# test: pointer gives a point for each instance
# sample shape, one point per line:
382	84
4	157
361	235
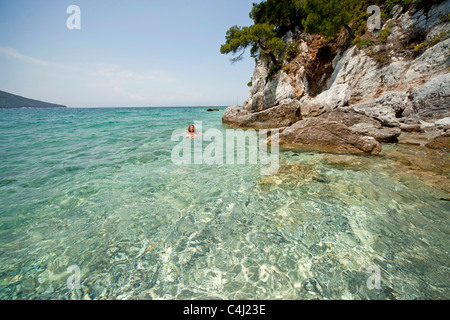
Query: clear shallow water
97	188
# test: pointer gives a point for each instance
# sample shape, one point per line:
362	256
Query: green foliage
328	17
272	71
284	14
421	47
260	37
389	4
444	18
407	4
444	35
287	69
384	34
272	18
412	37
382	58
292	51
390	24
426	4
362	42
359	25
8	100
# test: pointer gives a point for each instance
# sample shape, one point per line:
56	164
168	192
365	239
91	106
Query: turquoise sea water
97	188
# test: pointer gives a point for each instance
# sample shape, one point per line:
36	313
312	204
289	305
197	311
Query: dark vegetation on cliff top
338	23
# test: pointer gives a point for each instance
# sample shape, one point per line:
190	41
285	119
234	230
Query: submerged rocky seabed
98	190
140	227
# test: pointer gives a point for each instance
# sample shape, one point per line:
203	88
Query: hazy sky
127	53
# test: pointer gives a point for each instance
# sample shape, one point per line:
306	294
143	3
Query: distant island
12	101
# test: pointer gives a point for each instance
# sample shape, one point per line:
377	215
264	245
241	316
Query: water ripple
97	189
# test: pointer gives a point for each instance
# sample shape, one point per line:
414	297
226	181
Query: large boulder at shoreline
327	136
363	124
349	117
283	115
235	116
381	134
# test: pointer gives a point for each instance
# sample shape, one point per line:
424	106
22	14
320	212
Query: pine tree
260	37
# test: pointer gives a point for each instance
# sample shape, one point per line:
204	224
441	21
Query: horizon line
187	106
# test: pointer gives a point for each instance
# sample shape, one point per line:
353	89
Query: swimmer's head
191	128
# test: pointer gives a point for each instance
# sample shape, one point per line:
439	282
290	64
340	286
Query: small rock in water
312	286
411	128
440	143
290	176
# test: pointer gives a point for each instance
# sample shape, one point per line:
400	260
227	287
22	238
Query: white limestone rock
387	109
335	97
432	100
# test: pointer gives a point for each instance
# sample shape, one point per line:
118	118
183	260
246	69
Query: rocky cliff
366	93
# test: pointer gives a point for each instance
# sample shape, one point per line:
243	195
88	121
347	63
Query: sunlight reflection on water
106	197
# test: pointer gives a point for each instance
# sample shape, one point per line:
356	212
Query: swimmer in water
191	134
